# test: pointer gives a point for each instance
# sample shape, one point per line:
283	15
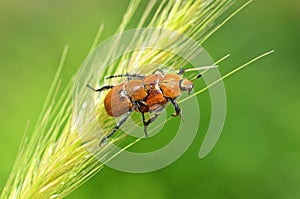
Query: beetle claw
182	118
178	114
145	131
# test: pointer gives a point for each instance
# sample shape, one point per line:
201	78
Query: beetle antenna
205	68
89	86
197	77
100	89
125	75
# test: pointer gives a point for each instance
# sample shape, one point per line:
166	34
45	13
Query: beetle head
186	85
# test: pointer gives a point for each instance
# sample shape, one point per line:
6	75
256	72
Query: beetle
144	94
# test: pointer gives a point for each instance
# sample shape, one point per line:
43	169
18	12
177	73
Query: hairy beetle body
144	94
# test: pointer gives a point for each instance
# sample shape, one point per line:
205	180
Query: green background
258	154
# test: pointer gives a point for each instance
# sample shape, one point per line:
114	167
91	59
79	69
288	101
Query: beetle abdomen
116	102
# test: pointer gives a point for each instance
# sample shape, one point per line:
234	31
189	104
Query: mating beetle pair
144	94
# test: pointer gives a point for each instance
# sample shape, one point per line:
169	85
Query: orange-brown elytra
144	94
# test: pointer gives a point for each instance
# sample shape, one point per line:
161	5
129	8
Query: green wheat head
52	160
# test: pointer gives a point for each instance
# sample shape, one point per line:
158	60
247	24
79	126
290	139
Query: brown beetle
144	94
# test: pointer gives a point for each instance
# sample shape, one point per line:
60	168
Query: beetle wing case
116	101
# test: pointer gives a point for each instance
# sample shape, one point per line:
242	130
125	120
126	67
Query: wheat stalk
52	160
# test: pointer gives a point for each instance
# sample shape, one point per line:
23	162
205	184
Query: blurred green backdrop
258	154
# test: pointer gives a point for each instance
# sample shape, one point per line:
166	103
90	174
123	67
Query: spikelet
53	161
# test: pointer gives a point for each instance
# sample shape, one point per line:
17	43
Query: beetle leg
144	121
100	89
120	123
159	70
177	109
143	115
157	113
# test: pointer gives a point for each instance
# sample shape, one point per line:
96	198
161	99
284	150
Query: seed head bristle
53	160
